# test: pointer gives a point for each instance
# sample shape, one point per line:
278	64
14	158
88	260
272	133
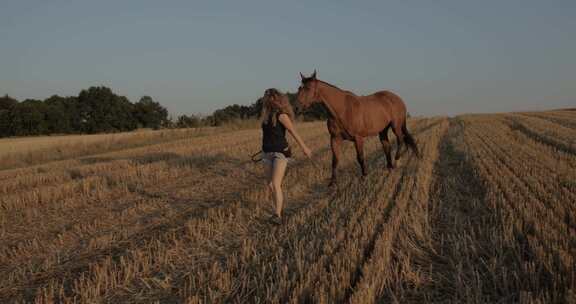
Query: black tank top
274	137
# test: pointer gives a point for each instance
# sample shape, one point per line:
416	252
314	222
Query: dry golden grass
26	151
486	215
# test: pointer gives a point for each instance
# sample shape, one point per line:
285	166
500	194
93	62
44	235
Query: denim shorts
270	157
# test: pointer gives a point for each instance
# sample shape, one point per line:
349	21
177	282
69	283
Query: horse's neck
335	100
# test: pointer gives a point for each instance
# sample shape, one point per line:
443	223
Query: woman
277	117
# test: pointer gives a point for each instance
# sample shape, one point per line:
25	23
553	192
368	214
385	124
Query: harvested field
487	214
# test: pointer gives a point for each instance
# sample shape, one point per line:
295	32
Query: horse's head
308	90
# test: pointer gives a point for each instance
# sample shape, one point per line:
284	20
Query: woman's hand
285	120
307	152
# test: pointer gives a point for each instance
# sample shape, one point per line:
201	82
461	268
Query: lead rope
253	157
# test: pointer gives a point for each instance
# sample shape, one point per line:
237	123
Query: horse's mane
331	85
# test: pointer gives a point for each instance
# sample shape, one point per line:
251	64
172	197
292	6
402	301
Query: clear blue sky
442	57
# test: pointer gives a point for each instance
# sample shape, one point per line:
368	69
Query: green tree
62	114
231	113
100	110
7	103
150	114
28	118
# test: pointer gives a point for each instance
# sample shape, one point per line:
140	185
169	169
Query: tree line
99	110
240	112
95	110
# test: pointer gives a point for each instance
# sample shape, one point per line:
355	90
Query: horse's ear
302	76
313	74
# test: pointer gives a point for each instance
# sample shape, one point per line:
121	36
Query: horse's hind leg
386	146
397	129
359	144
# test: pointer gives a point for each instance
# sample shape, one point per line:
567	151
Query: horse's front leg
335	145
359	144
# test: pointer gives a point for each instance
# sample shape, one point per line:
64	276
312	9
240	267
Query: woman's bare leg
279	168
268	174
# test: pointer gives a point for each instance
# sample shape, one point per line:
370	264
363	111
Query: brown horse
354	117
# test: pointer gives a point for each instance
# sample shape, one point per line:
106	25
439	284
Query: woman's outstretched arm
287	122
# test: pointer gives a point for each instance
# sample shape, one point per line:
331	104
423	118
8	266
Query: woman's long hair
273	103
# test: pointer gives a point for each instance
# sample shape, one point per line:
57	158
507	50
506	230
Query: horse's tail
409	140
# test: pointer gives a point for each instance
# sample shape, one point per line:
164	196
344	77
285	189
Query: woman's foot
276	219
